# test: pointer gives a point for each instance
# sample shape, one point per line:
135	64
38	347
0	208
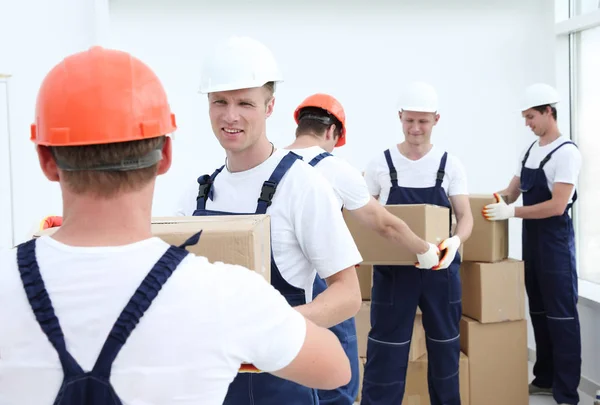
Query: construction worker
417	172
308	232
547	175
321	127
101	122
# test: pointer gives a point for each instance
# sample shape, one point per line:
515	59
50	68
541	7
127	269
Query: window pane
585	6
588	140
561	10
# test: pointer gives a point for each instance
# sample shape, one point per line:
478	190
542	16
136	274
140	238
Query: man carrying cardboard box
102	117
547	174
416	172
307	227
321	127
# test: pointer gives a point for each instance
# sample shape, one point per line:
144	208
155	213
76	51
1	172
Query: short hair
86	176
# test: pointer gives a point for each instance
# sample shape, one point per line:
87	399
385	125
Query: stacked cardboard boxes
432	224
493	328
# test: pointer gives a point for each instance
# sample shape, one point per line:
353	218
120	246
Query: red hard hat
100	96
329	104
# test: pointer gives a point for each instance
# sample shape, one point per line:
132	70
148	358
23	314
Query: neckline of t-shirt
424	157
99	249
277	155
558	141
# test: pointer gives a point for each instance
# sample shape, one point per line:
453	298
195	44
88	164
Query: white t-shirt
563	167
347	182
415	173
308	232
206	320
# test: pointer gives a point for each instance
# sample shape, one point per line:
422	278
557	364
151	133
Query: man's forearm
396	230
543	210
332	306
464	227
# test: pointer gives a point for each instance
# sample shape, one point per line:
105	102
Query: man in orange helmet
101	122
321	127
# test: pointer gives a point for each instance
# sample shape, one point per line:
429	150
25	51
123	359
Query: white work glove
448	247
498	211
428	259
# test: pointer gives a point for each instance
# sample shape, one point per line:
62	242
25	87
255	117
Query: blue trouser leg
266	389
395	296
543	369
441	304
557	279
346	334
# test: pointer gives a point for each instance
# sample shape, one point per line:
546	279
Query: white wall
34	36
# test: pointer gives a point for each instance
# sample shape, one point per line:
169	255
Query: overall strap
270	186
205	190
393	173
139	304
549	155
318	158
42	306
441	170
527	154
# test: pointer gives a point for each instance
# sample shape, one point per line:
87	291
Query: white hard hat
418	96
539	94
239	63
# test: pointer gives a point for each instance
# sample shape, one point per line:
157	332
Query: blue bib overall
262	388
346	333
551	283
396	293
93	387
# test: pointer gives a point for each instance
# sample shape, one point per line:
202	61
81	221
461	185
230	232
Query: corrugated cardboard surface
418	343
493	292
432	223
361	373
489	239
363	326
497	355
417	391
244	240
365	280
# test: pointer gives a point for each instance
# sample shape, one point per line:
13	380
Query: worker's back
187	347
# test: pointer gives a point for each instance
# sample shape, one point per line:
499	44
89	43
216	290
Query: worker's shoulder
197	273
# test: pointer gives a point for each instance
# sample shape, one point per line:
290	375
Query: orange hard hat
329	104
100	96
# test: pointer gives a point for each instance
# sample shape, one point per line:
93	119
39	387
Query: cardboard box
365	280
497	353
430	222
363	326
418	345
489	239
493	292
417	389
361	372
244	240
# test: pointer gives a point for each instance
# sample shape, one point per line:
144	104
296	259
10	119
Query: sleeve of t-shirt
320	227
568	165
352	188
371	177
186	203
520	162
263	329
458	181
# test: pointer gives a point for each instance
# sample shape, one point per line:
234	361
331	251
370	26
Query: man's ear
47	162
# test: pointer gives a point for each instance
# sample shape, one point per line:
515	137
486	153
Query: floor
548	400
